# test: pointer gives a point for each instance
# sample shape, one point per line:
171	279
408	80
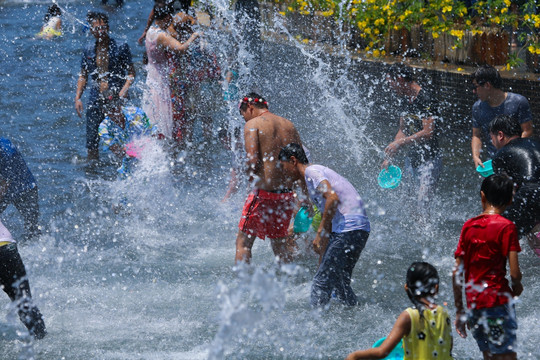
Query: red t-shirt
484	245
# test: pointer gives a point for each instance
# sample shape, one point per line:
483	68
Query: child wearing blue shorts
486	244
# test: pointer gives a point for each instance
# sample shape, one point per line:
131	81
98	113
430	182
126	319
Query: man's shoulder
513	97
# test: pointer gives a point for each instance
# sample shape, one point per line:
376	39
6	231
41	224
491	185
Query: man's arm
251	141
148	24
325	228
527	128
457	284
476	146
515	273
81	85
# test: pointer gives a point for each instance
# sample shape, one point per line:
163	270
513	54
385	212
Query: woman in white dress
157	97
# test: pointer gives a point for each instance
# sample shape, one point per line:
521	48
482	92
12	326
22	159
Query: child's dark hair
162	10
53	10
97	16
422	280
253	99
498	189
509	126
295	150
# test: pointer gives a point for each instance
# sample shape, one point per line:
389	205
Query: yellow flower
507	2
459	69
376	31
290	8
531	49
305	41
537	51
504	10
328	13
435	35
367	30
383	53
468	22
376	53
282	13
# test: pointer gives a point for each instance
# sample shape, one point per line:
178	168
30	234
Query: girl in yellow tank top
425	329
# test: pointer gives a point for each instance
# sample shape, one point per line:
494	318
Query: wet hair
509	126
422	280
295	150
253	99
498	189
162	10
96	16
400	70
53	10
487	74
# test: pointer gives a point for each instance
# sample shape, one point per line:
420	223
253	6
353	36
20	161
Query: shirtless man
269	207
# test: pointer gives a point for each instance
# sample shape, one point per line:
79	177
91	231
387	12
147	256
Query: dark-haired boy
344	227
486	243
493	101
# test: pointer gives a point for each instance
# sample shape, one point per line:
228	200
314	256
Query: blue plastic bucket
389	178
487	170
302	221
396	353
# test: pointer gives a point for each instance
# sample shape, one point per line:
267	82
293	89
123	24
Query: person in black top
417	133
518	158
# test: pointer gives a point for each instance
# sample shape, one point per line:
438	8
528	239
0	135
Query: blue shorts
494	329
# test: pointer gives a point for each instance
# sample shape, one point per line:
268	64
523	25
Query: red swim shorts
267	214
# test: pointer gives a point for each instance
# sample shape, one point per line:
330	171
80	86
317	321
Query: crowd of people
283	180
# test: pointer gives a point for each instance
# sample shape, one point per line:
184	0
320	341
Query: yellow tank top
430	337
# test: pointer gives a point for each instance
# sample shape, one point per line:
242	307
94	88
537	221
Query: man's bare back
265	135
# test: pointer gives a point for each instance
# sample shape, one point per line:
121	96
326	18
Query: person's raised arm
81	85
327	214
515	273
476	146
174	45
148	24
457	285
402	327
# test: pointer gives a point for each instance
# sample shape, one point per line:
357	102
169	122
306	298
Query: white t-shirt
5	235
350	214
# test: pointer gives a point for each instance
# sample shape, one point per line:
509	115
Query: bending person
15	284
343	230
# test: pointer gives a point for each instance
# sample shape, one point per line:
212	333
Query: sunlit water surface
156	281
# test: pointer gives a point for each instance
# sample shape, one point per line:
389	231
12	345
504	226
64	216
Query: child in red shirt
486	242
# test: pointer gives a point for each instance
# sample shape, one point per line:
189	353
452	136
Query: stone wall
452	85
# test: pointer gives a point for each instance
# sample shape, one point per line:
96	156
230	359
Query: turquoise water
157	280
